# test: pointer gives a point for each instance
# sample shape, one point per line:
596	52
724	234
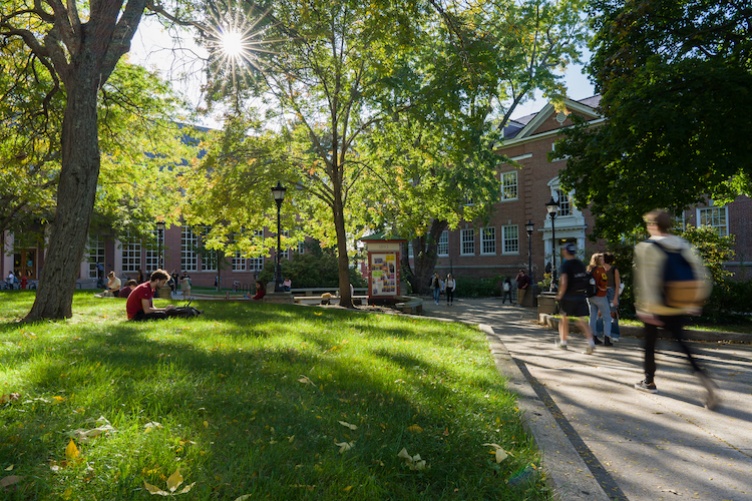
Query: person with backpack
572	297
597	300
671	283
613	291
506	290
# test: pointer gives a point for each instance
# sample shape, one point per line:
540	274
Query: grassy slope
249	398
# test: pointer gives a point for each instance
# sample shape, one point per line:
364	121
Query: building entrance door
25	264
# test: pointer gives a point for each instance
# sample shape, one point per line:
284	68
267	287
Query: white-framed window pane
410	252
442	249
301	248
95	254
488	240
715	217
510	236
509	187
256	264
152	251
188	250
239	263
565	206
131	255
467	242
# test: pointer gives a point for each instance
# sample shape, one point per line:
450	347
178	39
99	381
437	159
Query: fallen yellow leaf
415	429
174	481
71	451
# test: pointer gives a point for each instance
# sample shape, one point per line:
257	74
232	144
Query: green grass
249	398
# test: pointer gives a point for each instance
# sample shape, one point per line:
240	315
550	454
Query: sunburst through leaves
237	37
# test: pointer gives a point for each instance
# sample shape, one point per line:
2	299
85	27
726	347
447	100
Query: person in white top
450	285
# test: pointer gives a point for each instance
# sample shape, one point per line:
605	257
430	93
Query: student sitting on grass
129	286
140	305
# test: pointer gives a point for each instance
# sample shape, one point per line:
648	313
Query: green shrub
478	287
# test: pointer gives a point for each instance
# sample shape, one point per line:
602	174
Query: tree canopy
390	110
676	85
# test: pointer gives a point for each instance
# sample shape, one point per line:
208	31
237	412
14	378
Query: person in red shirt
260	292
140	305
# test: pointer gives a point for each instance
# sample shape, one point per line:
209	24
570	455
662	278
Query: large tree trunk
75	202
424	258
343	261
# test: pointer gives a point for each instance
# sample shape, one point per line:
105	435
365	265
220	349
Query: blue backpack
682	287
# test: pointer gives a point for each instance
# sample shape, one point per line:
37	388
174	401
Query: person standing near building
613	291
523	285
506	290
598	304
449	286
572	298
651	259
436	287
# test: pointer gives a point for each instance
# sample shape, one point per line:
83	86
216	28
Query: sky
154	48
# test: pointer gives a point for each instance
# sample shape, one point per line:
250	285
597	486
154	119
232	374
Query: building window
715	217
565	207
510	237
239	262
301	248
467	242
488	240
95	255
256	264
442	249
285	254
152	252
188	247
131	255
509	186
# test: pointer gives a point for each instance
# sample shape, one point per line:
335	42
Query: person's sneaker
597	341
645	386
560	346
608	342
712	399
589	350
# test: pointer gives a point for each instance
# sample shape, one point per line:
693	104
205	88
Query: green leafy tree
387	107
66	52
673	75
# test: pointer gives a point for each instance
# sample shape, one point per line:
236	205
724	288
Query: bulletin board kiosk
383	268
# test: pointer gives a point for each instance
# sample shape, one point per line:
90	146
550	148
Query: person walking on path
613	291
651	258
506	290
572	298
598	304
449	286
523	285
436	287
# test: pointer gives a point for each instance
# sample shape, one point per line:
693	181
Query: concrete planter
547	304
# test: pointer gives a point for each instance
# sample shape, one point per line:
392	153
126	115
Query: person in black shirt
572	298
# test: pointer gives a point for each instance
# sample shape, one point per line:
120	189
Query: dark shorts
574	306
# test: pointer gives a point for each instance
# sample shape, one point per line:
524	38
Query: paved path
601	438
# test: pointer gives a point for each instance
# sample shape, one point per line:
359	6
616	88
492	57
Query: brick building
502	247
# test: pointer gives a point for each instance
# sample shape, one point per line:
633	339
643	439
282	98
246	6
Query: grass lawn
255	401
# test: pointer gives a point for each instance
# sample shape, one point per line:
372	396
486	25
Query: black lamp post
552	207
279	195
160	238
530	227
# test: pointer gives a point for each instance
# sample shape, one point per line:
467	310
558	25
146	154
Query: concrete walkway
602	439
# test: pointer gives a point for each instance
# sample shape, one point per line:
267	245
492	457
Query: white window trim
444	235
482	234
502	198
713	206
462	242
504	252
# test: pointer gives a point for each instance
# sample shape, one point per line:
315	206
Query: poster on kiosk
383	267
384	274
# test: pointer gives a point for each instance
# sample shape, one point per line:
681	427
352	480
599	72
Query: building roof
528	125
